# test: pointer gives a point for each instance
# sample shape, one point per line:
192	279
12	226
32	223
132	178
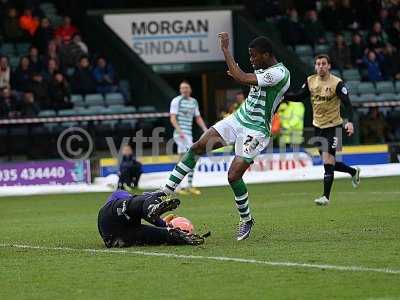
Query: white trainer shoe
355	180
322	201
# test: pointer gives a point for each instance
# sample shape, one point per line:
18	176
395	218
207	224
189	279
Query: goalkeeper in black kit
120	222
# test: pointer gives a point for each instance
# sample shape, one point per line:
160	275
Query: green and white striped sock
184	166
241	199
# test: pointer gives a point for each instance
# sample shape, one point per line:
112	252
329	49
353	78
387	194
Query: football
182	224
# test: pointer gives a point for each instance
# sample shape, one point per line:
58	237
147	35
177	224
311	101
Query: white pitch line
212	258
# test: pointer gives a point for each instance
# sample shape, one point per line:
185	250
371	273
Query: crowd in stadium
41	65
356	34
362	38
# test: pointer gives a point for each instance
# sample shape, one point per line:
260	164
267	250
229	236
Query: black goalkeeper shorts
327	139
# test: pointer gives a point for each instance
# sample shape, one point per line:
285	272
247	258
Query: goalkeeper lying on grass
119	222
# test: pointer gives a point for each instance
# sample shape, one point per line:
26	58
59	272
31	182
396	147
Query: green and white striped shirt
257	111
185	110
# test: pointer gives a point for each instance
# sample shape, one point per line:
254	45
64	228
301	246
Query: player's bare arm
234	70
174	123
201	123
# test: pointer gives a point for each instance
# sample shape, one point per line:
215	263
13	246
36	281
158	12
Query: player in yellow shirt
327	92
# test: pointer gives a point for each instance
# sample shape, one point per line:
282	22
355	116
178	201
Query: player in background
119	222
327	92
182	111
248	128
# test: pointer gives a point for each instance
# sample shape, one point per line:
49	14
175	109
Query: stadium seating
22	48
94	99
336	72
66	112
355	98
366	88
384	87
47	113
8	49
77	100
146	109
117	109
397	86
367	97
390	96
114	99
352	86
304	50
321	49
351	75
111	123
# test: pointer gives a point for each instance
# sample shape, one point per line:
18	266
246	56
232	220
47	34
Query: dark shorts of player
327	139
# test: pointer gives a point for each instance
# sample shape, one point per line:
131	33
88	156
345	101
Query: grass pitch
359	228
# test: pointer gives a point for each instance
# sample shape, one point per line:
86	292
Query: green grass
359	228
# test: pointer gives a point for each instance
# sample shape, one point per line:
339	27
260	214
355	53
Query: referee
327	92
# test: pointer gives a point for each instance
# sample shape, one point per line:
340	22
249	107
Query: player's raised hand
224	40
349	128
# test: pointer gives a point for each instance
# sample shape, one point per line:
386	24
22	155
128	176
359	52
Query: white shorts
248	142
183	143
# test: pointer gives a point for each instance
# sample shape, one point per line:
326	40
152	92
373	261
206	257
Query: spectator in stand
39	88
82	80
77	39
379	33
357	49
10	27
372	62
262	9
329	16
52	53
391	63
29	106
5	73
67	30
28	22
394	34
34	58
374	44
22	74
313	29
105	77
347	16
292	29
367	11
60	93
9	107
340	53
384	18
70	52
43	35
51	69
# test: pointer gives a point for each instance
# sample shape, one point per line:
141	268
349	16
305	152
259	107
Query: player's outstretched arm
234	70
298	96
